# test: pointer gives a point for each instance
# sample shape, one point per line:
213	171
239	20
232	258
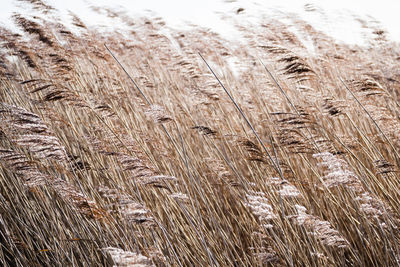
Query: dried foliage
121	257
322	230
298	166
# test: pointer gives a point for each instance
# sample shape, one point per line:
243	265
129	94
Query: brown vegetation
294	164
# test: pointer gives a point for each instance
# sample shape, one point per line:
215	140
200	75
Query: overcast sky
337	19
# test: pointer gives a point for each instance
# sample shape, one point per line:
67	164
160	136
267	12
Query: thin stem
275	165
369	115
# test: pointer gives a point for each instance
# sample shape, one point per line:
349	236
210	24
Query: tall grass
295	163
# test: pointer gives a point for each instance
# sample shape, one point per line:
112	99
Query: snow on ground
340	19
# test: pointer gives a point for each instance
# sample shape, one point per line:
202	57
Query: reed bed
142	148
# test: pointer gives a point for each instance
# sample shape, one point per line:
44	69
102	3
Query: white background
336	19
